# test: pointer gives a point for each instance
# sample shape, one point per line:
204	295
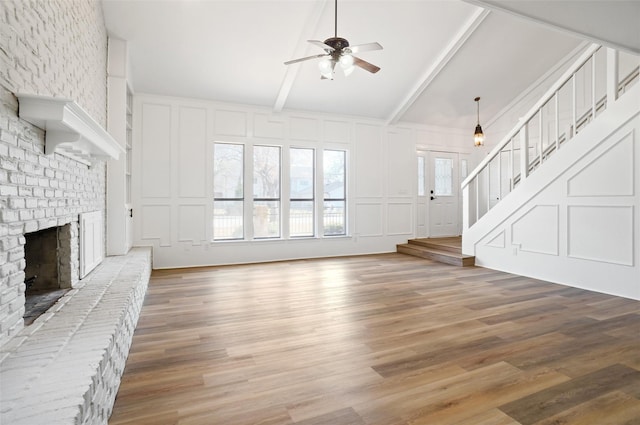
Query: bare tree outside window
228	191
266	191
334	214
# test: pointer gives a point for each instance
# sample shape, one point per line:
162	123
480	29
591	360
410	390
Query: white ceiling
438	55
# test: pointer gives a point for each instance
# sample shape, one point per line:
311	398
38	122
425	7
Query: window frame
241	199
326	199
255	199
312	199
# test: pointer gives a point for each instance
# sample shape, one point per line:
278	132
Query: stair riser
440	257
430	245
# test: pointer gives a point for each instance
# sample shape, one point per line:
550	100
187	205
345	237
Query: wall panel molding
192	223
400	219
601	233
191	161
156	150
156	223
619	158
537	230
369	219
231	123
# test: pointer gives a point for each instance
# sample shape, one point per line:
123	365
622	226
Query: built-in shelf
69	129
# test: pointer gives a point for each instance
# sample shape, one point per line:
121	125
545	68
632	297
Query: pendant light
478	136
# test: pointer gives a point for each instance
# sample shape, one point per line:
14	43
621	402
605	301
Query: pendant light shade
478	135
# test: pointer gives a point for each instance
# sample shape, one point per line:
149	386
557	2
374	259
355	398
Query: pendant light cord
477	99
335	11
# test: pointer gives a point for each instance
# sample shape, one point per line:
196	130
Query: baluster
540	145
612	76
557	112
500	175
477	180
524	153
574	105
593	86
511	176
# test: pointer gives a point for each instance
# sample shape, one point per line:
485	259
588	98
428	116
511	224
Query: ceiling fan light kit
338	51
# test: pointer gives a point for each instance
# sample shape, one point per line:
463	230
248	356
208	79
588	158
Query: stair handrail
568	74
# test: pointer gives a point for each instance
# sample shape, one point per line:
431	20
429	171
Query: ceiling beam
291	71
438	65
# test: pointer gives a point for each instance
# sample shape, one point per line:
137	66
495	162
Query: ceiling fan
338	51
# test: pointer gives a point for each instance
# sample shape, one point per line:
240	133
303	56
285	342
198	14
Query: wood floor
380	340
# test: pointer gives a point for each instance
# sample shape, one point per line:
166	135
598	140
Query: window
228	191
301	192
248	192
266	192
443	177
334	214
421	176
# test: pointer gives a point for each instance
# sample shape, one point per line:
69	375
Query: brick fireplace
38	192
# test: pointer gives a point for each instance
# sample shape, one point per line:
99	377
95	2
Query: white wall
172	178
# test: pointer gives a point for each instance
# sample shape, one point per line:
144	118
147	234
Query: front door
443	194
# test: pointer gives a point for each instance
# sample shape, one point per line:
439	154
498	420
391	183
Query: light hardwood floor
380	340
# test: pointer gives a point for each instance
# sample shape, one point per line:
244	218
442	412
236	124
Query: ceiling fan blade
365	65
321	45
305	59
365	47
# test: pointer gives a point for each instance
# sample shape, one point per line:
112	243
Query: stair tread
434	250
445	244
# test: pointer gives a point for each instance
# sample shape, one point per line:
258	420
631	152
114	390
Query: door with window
443	194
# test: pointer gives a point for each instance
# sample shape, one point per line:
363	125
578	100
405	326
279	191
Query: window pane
301	173
421	176
334	218
334	174
266	219
301	218
443	177
227	220
228	170
266	172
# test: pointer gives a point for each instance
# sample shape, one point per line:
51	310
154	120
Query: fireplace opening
44	253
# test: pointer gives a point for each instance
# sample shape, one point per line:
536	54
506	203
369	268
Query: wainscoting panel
337	131
192	164
401	159
537	230
304	128
156	150
191	223
497	241
265	127
230	123
368	156
610	240
156	224
400	218
589	182
369	220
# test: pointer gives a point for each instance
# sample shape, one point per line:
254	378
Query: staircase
444	250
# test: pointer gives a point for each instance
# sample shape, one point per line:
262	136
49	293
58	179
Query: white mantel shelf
69	129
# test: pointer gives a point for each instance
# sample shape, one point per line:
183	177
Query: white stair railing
579	95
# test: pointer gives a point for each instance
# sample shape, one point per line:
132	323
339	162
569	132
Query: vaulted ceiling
438	55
